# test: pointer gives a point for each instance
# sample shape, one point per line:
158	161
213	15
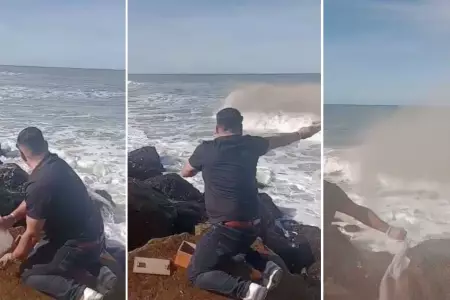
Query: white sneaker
90	294
272	275
256	292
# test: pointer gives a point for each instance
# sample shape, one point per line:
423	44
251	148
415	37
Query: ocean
82	115
175	112
394	160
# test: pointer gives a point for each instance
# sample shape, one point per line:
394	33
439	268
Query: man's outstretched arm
366	216
286	139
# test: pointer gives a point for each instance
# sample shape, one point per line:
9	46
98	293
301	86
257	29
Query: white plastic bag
399	264
6	241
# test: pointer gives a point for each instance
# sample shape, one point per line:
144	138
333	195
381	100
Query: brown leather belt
242	224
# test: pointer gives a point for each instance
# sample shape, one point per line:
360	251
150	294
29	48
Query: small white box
152	266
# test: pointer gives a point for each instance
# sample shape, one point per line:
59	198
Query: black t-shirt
57	195
228	165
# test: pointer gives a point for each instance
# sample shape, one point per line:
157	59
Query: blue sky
386	51
224	36
81	33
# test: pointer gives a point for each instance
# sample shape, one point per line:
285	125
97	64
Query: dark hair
230	119
33	139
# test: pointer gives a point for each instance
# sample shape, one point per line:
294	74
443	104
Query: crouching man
64	229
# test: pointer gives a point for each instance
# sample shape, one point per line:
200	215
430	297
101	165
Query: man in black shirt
64	228
228	164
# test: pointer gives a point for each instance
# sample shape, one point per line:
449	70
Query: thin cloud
425	15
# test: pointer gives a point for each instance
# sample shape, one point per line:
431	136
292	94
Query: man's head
229	122
32	145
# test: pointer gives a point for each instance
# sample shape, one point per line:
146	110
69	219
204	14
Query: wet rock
296	254
268	210
175	188
150	214
103	201
144	163
189	214
105	195
12	187
117	251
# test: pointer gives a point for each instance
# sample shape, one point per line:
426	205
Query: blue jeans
218	247
51	268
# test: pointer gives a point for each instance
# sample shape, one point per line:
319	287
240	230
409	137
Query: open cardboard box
152	266
184	254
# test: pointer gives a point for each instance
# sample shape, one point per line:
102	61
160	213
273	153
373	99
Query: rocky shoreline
163	210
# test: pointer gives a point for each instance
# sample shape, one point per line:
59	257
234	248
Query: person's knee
31	280
192	274
24	277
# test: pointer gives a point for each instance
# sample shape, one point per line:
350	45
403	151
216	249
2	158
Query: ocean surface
82	115
175	113
395	161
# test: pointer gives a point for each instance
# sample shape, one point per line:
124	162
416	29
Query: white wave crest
6	73
278	122
343	170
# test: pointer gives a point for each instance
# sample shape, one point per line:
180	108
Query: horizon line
268	73
390	104
59	67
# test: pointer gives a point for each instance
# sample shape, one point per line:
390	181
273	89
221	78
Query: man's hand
309	131
188	171
397	233
6	260
7	222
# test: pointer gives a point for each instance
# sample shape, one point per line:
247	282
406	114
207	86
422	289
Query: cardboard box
184	254
152	266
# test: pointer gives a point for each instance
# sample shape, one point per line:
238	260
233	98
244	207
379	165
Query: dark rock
103	200
301	249
150	214
105	195
175	188
12	187
144	163
269	212
189	214
344	264
12	176
296	256
261	185
117	251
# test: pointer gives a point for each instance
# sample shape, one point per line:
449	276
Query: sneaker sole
274	279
